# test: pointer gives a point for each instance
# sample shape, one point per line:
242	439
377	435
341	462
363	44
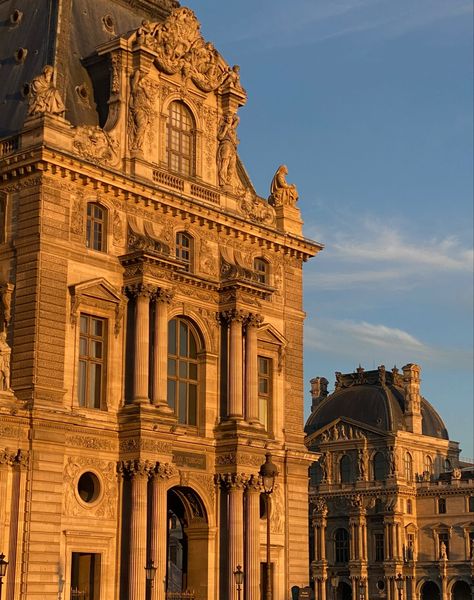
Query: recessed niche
20	55
16	17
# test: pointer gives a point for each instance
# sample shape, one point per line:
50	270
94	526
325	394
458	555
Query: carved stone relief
256	209
227	150
142	113
277	511
43	96
96	145
106	506
77	216
117	229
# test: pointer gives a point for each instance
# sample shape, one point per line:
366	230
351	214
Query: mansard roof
376	398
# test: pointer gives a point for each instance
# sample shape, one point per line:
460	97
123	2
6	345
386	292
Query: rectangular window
91	361
379	547
441	506
85	576
409	507
264	389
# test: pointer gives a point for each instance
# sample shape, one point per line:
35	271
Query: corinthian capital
136	290
135	468
254	320
163	471
234	314
164	295
232	481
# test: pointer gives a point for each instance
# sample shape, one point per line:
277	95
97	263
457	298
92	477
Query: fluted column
235	486
142	294
236	319
138	472
5	465
252	541
387	541
159	516
160	349
251	369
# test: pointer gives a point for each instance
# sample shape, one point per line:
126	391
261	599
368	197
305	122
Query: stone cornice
53	161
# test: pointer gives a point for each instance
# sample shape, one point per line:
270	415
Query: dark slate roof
377	404
81	29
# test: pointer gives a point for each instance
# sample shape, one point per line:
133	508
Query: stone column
353	544
160	350
159	527
5	466
142	295
252	540
138	471
387	539
236	319
251	369
235	486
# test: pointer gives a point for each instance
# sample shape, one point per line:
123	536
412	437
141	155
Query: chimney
411	383
319	391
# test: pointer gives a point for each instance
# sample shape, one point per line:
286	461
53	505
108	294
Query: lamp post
361	588
399	583
239	579
3	571
268	473
150	571
334	585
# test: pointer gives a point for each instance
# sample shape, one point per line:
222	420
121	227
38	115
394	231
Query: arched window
345	469
181	139
409	507
184	249
96	228
183	370
380	466
428	465
260	266
408	467
341	546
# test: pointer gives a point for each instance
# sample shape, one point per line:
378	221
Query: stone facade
151	332
389	497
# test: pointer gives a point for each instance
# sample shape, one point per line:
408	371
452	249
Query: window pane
82	382
192	346
263	386
172	337
182	412
83	346
97	327
193	371
96	349
172	394
84	321
183	369
192	389
183	339
171	367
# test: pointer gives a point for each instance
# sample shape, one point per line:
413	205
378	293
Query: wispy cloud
373	343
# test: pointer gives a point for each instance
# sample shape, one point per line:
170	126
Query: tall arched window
184	249
408	467
428	464
345	469
96	228
181	139
183	370
380	466
260	266
341	546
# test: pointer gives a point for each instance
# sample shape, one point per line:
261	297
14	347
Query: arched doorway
461	591
344	591
187	544
429	591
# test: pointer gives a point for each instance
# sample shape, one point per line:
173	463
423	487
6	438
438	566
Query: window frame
341	547
265	398
89	361
181	249
379	546
173	153
179	379
408	467
261	266
91	221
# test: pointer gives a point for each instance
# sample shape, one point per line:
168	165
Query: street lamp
3	571
150	571
239	579
268	473
399	584
334	585
361	588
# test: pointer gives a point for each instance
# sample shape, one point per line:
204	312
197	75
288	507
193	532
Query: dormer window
184	250
260	266
181	139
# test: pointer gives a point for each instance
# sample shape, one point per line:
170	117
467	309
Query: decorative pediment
267	333
97	293
179	47
344	429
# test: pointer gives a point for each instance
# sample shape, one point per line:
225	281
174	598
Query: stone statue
443	554
361	463
5	354
227	151
141	109
281	192
6	293
44	97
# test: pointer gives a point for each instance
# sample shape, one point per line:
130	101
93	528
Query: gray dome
374	401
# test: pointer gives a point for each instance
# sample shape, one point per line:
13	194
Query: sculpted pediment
344	429
267	333
98	293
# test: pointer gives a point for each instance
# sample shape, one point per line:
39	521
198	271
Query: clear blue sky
370	104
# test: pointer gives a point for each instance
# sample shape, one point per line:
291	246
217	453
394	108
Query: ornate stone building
389	498
151	330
